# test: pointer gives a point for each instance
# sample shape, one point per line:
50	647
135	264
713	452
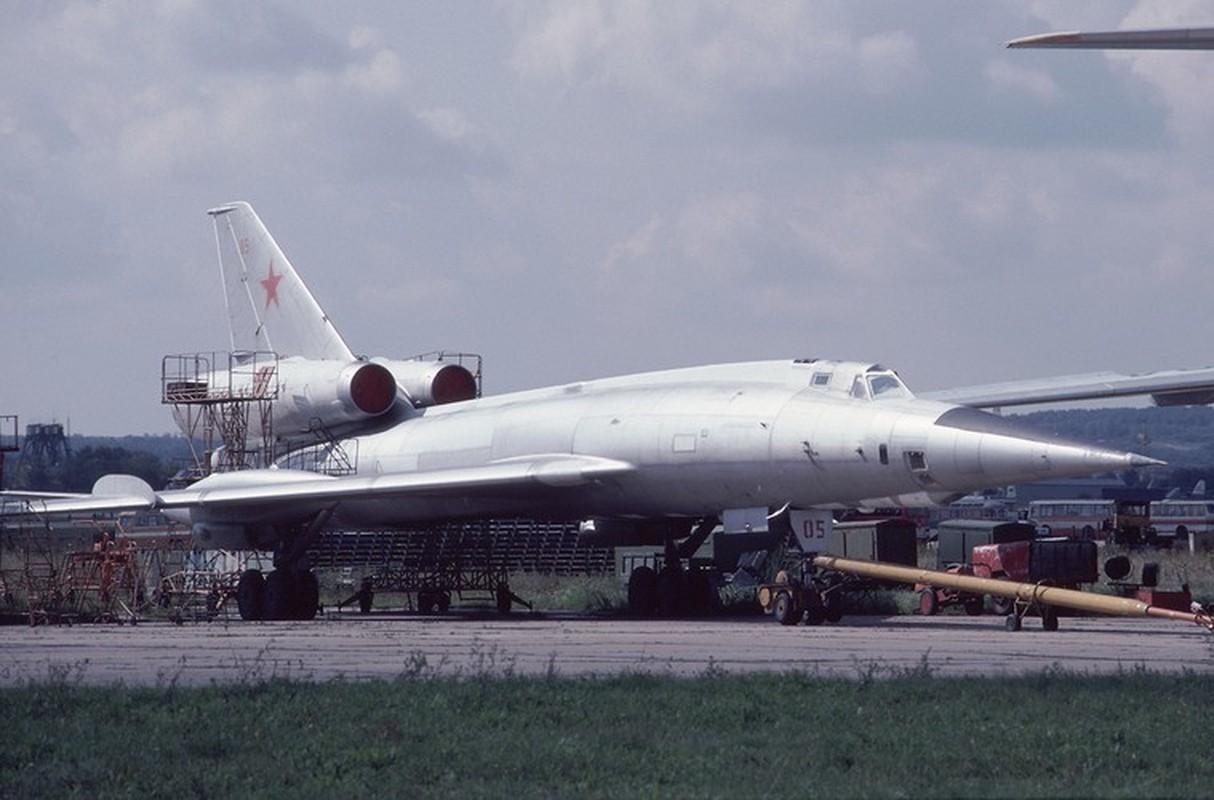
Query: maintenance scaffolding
223	403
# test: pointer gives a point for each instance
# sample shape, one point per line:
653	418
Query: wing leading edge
1166	388
1171	39
293	489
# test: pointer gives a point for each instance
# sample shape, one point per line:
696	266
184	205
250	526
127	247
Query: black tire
251	595
832	606
1049	618
643	592
1012	622
280	595
974	605
307	595
784	609
672	592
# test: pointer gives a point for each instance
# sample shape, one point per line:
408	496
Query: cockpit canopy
857	380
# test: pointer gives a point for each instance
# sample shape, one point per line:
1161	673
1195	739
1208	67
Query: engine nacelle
333	392
432	383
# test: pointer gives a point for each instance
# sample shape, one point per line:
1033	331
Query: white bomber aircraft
649	456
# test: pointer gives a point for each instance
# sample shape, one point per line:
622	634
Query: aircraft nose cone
1005	451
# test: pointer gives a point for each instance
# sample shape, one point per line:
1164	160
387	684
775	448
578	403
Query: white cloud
1006	77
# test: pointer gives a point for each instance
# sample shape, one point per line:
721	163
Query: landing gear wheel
307	594
643	592
671	591
815	608
929	604
280	593
832	606
251	594
785	610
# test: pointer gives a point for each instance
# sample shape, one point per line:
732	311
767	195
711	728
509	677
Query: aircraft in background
1166	388
658	457
1169	39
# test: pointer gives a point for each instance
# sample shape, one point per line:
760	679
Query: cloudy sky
577	189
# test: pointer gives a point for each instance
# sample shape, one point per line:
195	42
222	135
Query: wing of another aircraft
1172	39
1166	388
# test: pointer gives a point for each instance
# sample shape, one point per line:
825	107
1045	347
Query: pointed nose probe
1006	451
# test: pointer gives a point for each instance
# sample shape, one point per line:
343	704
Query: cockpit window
858	389
886	385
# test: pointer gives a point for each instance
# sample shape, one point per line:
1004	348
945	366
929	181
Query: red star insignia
270	284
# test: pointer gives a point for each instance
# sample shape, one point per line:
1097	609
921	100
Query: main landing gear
284	594
673	591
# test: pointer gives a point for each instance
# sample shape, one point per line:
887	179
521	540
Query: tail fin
269	307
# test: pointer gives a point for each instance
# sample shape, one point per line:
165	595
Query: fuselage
762	434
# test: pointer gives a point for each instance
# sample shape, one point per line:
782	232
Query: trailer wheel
1049	618
929	604
973	605
785	610
1002	606
1012	622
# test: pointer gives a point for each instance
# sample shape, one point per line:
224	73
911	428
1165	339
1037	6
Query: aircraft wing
1173	39
111	494
295	490
1166	388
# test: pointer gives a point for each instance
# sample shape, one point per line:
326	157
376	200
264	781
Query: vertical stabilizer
269	307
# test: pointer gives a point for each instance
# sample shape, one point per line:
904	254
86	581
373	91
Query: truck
1006	551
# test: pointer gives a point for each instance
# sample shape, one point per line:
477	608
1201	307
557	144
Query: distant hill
170	447
74	463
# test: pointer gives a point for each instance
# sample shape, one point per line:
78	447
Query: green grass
495	735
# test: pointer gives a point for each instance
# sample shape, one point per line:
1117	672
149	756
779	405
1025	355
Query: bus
1188	523
1075	519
